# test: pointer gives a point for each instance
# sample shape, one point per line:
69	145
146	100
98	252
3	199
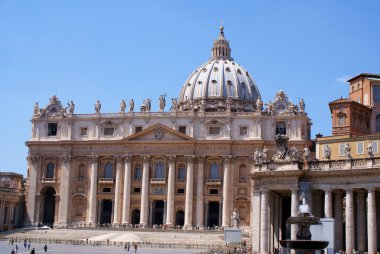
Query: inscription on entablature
160	148
279	181
216	149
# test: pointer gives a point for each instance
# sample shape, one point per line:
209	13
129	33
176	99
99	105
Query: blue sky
113	50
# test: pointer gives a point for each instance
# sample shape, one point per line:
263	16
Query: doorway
213	214
158	212
49	206
106	211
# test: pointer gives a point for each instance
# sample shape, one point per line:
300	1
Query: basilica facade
188	165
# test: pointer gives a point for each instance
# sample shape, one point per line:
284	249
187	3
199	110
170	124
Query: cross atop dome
221	48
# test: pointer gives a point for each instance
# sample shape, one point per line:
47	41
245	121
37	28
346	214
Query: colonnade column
93	191
170	195
145	193
189	195
32	181
350	231
293	212
338	220
361	223
116	211
127	190
371	221
264	221
226	191
64	191
199	221
328	204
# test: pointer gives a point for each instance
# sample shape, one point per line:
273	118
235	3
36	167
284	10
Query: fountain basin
304	244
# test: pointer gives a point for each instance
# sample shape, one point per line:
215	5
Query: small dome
219	84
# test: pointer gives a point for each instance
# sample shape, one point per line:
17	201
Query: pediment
158	132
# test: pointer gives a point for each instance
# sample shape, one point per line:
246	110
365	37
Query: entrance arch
135	217
49	206
180	218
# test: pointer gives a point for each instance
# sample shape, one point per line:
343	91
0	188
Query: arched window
378	123
50	170
160	170
181	172
81	171
108	170
214	171
281	128
137	172
242	172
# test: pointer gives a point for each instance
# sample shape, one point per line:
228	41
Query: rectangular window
214	191
341	150
376	94
214	130
341	120
243	131
106	189
136	190
182	129
181	174
52	129
138	129
108	131
360	148
374	147
137	174
83	131
180	191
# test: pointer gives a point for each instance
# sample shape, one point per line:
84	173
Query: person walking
33	251
45	248
135	245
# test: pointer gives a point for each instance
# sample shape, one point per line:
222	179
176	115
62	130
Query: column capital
127	158
94	158
201	158
119	158
349	191
190	158
66	158
171	158
265	190
371	190
33	158
294	190
146	158
227	158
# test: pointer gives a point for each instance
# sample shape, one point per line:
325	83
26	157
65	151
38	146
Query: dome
219	84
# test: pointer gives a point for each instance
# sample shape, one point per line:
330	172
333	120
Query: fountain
303	244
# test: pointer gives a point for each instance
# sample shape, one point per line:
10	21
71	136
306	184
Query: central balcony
105	180
157	180
210	181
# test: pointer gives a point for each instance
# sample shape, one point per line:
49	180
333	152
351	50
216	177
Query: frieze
159	148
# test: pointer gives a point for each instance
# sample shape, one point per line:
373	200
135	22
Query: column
200	181
189	194
164	213
293	212
127	190
170	193
338	220
206	214
255	222
371	221
328	204
144	193
350	231
361	223
226	191
276	220
116	211
31	196
264	222
220	213
64	191
151	212
93	191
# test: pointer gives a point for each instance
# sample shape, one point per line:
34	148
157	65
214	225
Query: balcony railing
210	181
7	189
48	179
242	180
105	180
158	180
81	179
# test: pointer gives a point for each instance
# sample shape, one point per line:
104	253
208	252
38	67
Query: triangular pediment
158	133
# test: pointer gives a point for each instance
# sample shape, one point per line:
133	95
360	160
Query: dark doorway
49	206
213	214
158	212
180	218
135	217
285	228
106	211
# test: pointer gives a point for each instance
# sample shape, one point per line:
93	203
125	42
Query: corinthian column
264	222
31	196
293	212
189	195
145	193
127	191
371	222
226	191
170	195
199	219
361	234
350	231
328	204
116	212
64	191
93	191
339	220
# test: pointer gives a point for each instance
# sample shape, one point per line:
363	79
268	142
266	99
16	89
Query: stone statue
162	102
259	104
270	108
123	105
282	152
256	156
71	107
131	105
190	105
98	106
228	104
145	107
174	105
347	150
302	105
306	153
264	154
369	148
294	153
36	110
235	219
203	105
327	152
